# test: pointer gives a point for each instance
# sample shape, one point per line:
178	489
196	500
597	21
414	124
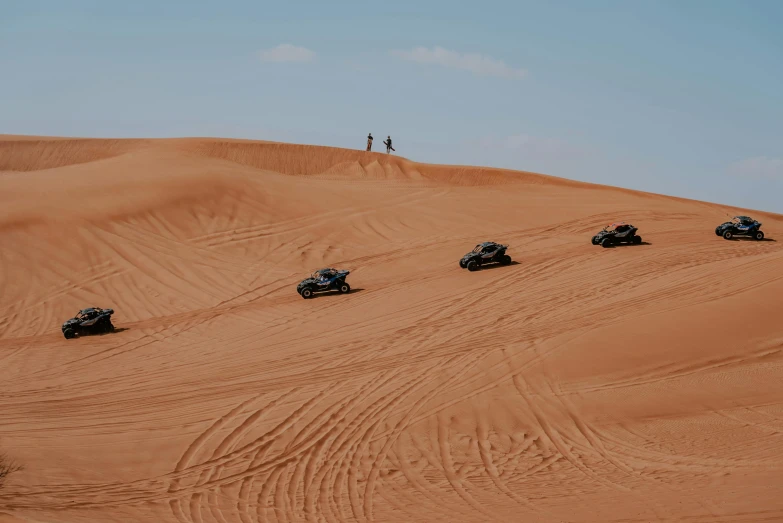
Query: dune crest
639	383
26	154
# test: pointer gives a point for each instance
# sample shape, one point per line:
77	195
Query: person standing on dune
369	142
388	144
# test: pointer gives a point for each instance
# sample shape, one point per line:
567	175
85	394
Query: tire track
553	436
226	446
194	447
373	475
484	446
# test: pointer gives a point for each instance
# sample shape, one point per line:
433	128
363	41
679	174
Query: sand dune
580	384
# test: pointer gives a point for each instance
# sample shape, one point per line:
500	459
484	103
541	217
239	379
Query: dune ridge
26	155
579	384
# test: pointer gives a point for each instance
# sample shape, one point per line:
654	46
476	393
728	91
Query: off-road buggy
93	320
615	233
324	280
484	253
743	226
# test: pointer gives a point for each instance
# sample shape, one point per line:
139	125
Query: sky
672	97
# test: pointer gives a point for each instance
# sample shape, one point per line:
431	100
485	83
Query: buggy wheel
606	243
637	240
472	265
758	236
727	235
462	264
68	333
307	293
344	288
717	231
594	241
505	259
109	326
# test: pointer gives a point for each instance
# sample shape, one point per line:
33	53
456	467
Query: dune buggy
740	226
616	233
484	253
93	320
324	280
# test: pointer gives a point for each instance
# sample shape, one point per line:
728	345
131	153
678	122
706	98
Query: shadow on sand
629	245
335	293
496	266
748	239
94	334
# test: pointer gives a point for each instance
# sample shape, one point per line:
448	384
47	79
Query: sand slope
580	384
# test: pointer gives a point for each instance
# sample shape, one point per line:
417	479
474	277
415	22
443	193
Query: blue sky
680	98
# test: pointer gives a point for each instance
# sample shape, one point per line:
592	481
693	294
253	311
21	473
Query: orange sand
633	384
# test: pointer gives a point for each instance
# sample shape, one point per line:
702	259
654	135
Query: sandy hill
632	384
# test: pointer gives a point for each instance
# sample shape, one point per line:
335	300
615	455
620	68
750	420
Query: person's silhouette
388	144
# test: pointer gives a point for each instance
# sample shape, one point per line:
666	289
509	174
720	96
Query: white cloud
476	63
758	167
287	53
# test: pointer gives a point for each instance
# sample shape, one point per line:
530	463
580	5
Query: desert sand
633	384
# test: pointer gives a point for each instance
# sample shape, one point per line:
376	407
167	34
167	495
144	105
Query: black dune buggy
324	280
93	320
484	253
740	226
617	233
